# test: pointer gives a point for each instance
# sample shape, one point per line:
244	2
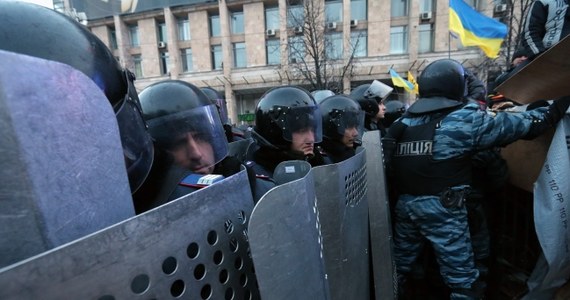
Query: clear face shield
195	138
137	143
299	120
349	123
379	91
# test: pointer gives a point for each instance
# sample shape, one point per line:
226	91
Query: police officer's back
430	149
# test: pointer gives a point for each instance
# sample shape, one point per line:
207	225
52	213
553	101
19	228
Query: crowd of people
175	134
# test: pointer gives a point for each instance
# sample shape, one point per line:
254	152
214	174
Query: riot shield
383	265
343	210
285	240
238	149
62	167
192	248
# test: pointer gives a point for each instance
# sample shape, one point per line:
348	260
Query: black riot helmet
442	78
179	114
370	95
44	33
217	99
441	86
394	110
340	113
283	111
320	95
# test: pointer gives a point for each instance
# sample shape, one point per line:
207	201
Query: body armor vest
415	170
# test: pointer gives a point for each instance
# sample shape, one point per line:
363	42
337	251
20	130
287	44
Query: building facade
244	47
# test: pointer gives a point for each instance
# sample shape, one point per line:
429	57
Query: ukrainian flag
476	29
397	80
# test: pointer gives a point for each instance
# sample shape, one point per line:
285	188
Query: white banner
551	211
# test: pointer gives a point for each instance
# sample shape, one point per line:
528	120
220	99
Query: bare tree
316	55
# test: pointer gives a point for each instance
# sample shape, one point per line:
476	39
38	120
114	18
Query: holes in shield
217	264
355	187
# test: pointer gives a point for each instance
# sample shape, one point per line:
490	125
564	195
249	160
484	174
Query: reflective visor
298	119
137	143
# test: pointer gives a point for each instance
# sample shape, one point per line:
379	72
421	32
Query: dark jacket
545	25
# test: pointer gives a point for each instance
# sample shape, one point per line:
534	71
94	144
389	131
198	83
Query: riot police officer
189	139
343	126
371	99
37	31
287	126
428	152
321	95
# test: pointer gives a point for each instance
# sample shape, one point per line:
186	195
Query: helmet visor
347	119
137	143
300	120
195	137
378	91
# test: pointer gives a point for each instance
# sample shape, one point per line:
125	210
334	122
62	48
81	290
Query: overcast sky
46	3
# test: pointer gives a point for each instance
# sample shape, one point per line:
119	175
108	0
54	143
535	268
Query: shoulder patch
200	181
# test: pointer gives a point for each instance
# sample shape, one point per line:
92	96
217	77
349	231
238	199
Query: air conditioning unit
499	8
298	29
331	26
293	60
270	32
161	45
353	23
425	16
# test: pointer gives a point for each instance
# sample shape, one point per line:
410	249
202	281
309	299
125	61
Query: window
134	35
272	18
183	29
237	22
273	52
359	43
333	45
186	55
426	5
399	8
358	10
296	49
240	60
295	16
398	40
425	32
137	62
333	11
164	63
473	3
217	57
161	30
215	25
112	38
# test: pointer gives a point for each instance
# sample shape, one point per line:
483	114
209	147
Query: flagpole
449	45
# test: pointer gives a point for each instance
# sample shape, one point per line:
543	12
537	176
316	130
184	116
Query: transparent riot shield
383	266
195	247
285	240
62	169
238	149
343	210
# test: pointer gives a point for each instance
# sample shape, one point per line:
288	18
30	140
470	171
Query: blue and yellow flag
397	80
475	29
412	80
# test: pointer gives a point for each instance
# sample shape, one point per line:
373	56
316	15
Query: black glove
554	113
